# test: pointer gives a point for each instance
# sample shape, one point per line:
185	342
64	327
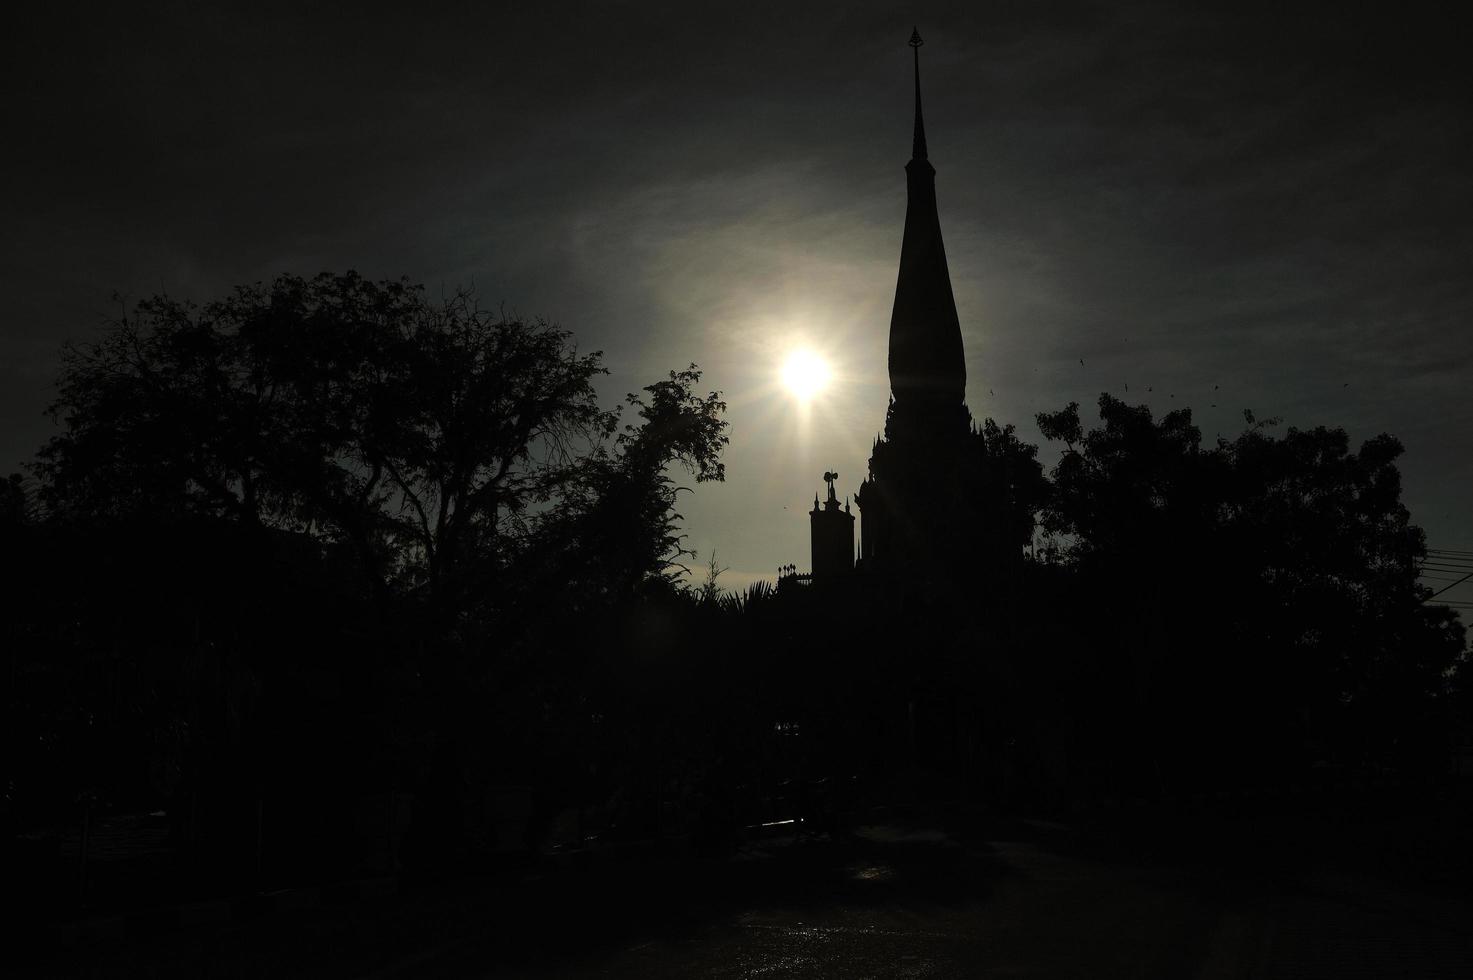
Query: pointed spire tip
918	142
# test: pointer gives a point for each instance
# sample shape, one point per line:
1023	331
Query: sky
1261	207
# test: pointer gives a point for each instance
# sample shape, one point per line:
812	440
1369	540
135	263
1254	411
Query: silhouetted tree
438	440
455	461
418	432
619	522
1012	486
1271	578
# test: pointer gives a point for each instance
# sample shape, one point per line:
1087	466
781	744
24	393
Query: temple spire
927	363
918	142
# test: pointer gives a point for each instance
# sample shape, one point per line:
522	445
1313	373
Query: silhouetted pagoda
927	505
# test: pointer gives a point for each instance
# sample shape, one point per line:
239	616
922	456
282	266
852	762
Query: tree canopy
1267	576
443	444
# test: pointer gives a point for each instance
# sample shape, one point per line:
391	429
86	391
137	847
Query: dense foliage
345	515
1265	589
435	440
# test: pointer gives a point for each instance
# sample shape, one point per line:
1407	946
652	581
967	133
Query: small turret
832	529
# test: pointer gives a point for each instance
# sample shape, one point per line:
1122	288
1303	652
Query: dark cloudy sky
1263	208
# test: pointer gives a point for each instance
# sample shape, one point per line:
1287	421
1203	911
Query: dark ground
1338	889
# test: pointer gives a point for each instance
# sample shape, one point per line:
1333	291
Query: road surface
892	901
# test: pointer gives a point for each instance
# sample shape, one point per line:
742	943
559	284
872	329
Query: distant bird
1346	385
991	392
1149	388
1081	362
1127	386
1214	404
1215	387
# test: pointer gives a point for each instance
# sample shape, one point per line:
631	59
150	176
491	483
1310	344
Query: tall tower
915	502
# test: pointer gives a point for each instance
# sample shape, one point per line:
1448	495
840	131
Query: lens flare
805	374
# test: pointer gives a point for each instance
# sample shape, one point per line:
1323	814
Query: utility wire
1446	587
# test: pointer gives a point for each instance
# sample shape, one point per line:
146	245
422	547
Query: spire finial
918	143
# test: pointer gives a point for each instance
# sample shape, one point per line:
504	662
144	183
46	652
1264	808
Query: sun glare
805	374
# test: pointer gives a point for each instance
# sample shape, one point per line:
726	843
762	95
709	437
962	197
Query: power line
1446	587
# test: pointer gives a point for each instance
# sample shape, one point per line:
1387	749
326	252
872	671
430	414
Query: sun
805	374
